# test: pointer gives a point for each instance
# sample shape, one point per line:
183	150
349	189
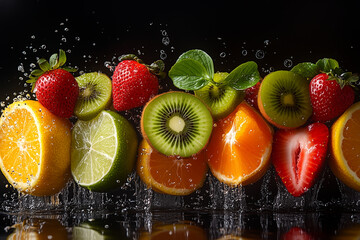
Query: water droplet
288	63
77	38
244	52
260	54
166	41
222	54
21	68
163	55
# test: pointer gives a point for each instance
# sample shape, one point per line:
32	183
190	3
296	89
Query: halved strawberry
298	156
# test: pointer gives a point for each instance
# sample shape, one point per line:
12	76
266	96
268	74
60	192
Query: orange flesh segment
351	142
171	173
239	143
20	138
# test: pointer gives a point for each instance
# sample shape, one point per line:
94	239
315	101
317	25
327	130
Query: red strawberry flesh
298	156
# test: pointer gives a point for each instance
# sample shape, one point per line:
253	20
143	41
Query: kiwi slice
94	95
176	123
284	99
221	99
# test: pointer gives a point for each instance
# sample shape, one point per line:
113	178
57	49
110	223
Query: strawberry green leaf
62	58
69	69
157	66
306	69
202	57
189	74
54	61
44	64
244	76
327	64
36	73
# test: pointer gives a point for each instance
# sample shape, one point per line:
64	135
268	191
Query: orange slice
345	147
34	148
182	230
240	147
170	174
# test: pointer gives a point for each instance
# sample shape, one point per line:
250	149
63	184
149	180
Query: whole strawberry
134	83
55	87
330	96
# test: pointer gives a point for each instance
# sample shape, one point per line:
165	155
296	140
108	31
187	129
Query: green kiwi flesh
285	98
94	95
176	123
221	99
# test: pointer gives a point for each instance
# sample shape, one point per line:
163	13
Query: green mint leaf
244	76
202	57
189	74
54	61
62	57
327	64
306	69
44	64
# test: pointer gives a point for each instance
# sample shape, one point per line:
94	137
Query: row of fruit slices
240	145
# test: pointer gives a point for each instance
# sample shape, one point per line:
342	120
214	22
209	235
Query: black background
295	30
299	31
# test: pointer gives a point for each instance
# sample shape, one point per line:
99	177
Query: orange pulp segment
34	148
240	148
345	147
170	174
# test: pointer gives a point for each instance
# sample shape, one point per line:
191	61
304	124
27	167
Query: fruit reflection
180	230
39	229
99	229
296	233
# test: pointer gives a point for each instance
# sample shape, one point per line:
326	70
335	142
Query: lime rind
103	151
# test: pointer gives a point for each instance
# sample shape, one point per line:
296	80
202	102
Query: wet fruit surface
31	140
170	174
240	147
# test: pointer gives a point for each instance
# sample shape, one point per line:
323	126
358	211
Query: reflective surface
182	225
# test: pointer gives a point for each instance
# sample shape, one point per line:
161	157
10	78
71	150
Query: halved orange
181	230
34	148
345	147
170	174
240	148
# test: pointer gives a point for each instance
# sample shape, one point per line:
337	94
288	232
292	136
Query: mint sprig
329	66
194	69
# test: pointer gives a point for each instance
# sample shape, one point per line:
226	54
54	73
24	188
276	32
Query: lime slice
103	151
94	95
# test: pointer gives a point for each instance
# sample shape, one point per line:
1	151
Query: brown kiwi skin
142	123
